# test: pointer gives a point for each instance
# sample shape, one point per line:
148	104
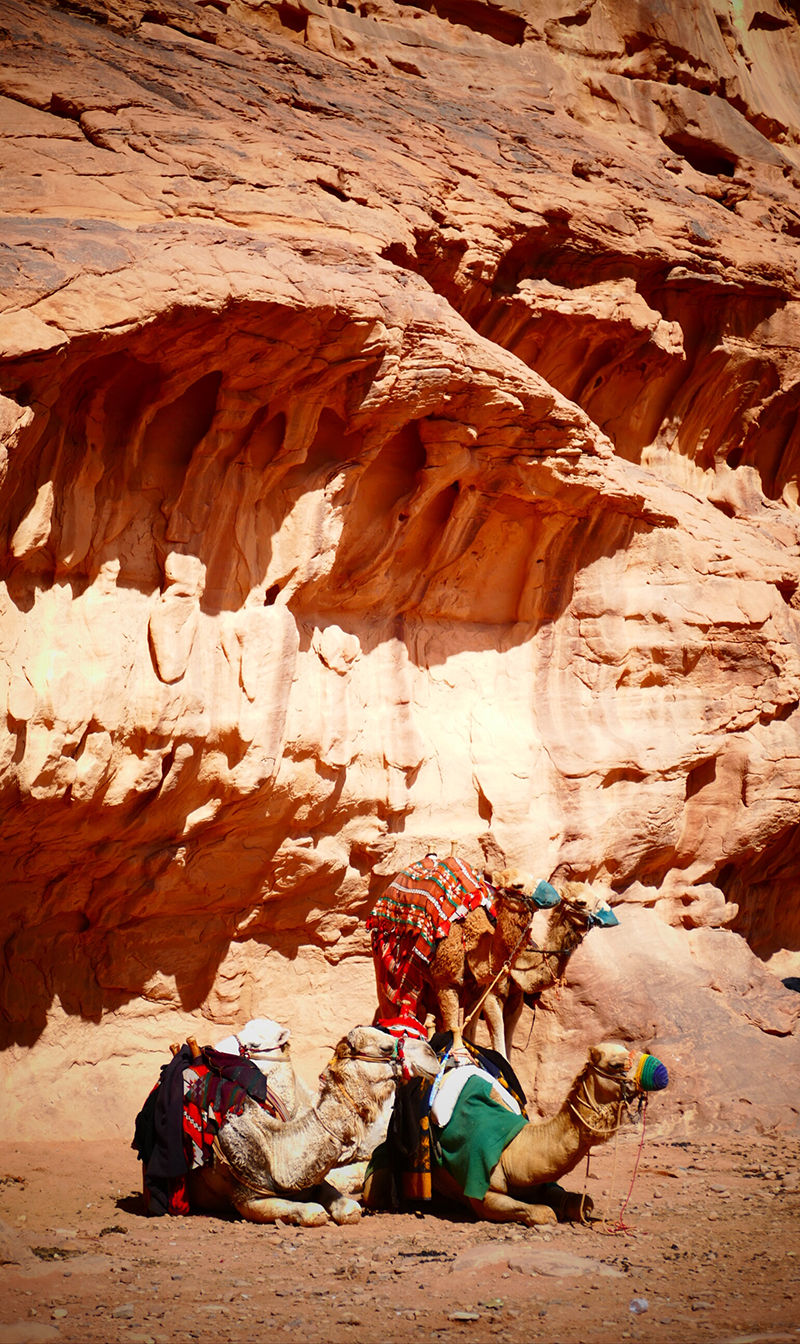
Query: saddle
176	1128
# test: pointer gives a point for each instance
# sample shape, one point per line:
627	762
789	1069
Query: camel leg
568	1205
497	1208
511	1015
493	1012
447	997
273	1209
349	1179
341	1208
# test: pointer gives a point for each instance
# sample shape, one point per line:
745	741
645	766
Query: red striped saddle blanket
415	911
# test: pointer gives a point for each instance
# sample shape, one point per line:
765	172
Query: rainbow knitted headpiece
651	1075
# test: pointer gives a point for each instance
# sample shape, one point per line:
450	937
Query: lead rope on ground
619	1225
581	1217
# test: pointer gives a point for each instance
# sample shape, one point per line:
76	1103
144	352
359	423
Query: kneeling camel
268	1170
520	1186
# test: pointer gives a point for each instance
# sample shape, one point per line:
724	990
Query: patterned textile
417	910
402	1026
215	1087
184	1112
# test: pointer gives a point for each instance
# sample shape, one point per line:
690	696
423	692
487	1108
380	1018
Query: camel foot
277	1210
306	1215
568	1206
501	1208
344	1211
576	1208
538	1215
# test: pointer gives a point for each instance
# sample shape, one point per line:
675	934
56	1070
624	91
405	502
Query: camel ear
596	1054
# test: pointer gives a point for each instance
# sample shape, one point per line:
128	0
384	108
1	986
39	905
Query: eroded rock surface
399	446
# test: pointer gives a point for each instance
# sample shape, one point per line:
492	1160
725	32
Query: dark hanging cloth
218	1087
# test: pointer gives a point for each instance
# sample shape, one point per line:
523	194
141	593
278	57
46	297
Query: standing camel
267	1170
520	1188
486	953
435	946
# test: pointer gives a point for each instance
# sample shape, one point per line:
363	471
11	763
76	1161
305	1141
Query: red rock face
399	445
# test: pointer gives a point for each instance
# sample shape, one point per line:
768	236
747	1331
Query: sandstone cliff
399	445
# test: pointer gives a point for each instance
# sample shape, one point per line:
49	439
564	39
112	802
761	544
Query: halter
253	1052
513	897
562	951
396	1062
628	1090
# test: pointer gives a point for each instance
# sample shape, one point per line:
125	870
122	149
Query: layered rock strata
399	447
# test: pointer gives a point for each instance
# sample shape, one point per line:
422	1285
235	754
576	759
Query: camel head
620	1072
610	1067
374	1045
260	1040
522	889
368	1062
583	908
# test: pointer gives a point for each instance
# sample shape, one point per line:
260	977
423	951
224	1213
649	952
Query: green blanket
475	1136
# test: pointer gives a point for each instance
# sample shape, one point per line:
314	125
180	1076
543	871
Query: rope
338	1082
544	953
533	1020
606	1131
503	971
619	1225
585	1184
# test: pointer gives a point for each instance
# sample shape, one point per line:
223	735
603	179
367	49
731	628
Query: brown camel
546	1150
533	969
477	956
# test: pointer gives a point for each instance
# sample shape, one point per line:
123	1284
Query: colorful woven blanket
183	1114
415	911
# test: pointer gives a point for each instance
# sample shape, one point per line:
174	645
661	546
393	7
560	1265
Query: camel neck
548	1149
562	935
303	1152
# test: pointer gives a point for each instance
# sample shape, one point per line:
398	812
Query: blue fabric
605	917
546	896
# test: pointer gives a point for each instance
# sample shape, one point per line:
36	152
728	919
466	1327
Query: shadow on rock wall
398	445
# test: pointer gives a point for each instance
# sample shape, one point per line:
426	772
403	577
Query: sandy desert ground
712	1246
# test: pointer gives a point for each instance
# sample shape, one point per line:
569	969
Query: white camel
268	1170
265	1043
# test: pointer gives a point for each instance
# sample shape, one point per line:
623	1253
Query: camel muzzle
651	1075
